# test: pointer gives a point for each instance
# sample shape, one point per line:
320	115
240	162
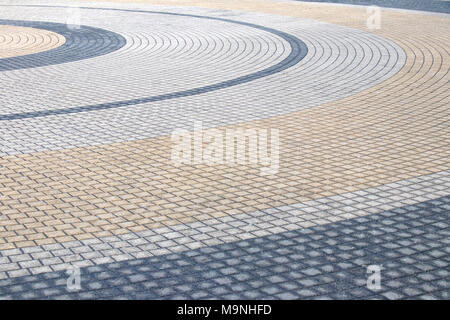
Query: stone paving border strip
182	237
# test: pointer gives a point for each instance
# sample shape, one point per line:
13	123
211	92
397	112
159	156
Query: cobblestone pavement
358	174
325	262
442	6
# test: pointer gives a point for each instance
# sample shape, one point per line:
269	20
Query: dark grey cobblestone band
327	262
422	5
298	52
81	43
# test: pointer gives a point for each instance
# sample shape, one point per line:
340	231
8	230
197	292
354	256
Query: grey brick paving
322	262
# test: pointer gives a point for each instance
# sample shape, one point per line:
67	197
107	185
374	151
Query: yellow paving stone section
394	131
20	41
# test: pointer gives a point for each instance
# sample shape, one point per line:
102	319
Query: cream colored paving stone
19	41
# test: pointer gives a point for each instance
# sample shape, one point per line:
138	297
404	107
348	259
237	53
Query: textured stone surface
19	41
411	244
442	6
87	178
79	43
203	233
194	67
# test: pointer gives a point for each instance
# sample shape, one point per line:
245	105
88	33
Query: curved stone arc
298	51
78	45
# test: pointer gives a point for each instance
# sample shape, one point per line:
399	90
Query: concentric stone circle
187	64
19	41
338	62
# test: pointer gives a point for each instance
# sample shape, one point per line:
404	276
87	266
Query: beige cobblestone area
20	41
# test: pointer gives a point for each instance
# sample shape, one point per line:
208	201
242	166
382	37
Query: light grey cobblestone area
340	62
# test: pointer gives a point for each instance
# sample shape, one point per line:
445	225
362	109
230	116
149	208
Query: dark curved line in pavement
421	5
81	43
298	52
